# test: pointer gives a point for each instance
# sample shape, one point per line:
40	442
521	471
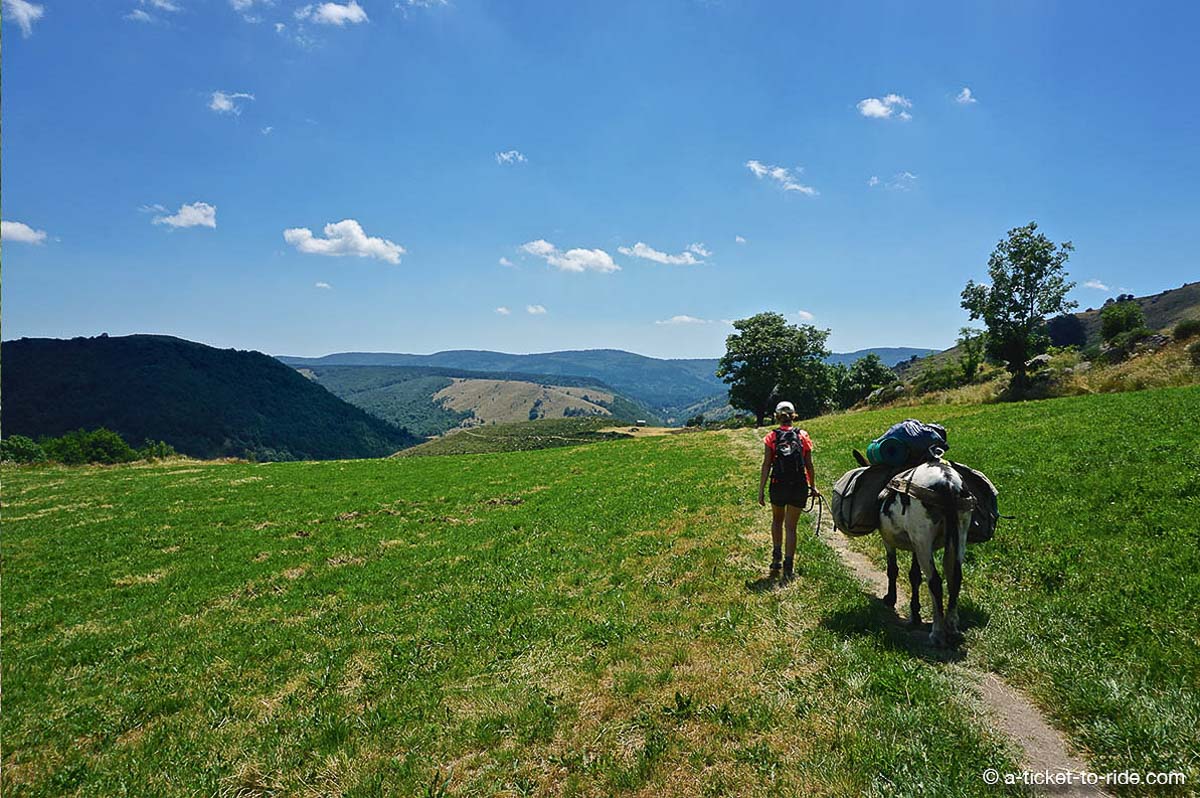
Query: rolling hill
1163	311
205	402
429	400
668	388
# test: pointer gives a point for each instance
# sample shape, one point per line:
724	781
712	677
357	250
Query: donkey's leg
922	547
953	567
914	592
893	571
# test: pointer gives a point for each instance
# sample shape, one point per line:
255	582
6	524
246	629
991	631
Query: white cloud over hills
344	238
192	214
573	260
20	233
786	178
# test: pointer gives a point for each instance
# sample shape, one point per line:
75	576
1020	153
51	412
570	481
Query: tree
858	381
1124	315
1067	330
768	359
972	343
1028	281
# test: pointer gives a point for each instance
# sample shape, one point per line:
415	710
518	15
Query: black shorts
793	495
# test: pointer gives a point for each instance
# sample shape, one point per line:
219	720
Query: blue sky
143	192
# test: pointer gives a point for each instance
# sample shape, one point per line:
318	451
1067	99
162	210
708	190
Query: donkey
924	510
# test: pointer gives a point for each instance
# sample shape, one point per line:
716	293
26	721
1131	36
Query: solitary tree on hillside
768	359
972	343
1028	282
857	382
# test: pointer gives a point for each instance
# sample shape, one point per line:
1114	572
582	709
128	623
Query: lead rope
816	500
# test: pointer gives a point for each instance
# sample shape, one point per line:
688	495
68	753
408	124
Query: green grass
521	436
1088	600
575	621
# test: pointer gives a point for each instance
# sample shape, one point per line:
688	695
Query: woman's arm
808	468
768	458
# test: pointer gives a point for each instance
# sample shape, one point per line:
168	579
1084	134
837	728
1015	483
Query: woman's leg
791	517
777	518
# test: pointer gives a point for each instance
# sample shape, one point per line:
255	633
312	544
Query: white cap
783	407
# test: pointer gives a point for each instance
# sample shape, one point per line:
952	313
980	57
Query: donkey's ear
862	461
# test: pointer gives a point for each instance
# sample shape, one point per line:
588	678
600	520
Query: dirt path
1042	746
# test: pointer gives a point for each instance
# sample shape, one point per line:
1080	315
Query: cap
787	407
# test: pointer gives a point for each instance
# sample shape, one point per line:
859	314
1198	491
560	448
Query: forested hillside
205	402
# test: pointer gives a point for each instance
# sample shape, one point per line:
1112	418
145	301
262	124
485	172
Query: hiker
787	461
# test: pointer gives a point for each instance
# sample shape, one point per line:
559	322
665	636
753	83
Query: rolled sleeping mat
888	451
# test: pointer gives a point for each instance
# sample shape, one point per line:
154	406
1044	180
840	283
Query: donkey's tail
949	505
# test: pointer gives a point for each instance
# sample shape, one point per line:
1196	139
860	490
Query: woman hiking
787	461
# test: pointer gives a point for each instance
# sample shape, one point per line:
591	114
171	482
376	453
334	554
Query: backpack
788	466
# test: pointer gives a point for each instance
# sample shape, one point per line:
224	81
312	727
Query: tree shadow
872	618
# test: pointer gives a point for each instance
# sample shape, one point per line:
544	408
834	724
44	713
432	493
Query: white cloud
24	14
503	311
682	319
195	214
343	238
333	13
510	157
804	315
505	261
20	233
965	97
739	240
266	131
247	7
885	107
901	181
280	27
781	175
322	285
227	102
700	250
642	250
573	260
138	15
161	5
1099	286
421	3
535	310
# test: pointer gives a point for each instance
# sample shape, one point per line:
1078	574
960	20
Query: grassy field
521	436
576	621
1088	600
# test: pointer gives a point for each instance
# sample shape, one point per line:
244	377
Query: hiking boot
787	571
776	561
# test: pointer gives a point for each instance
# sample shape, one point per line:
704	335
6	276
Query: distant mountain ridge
666	386
205	402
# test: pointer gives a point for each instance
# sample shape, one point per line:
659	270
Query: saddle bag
855	501
987	503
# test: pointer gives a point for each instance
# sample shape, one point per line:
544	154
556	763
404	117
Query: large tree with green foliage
1028	282
767	360
971	343
856	382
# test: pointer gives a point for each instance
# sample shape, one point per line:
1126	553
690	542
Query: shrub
156	450
695	421
19	449
1121	317
1188	328
1066	330
98	446
1121	345
1194	353
939	379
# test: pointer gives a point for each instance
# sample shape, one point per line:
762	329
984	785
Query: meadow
576	621
589	620
1087	600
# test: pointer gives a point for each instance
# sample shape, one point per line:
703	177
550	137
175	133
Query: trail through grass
1088	601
